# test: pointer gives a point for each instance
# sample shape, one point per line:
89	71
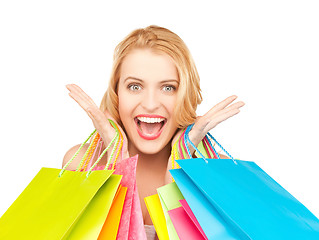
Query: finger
76	95
84	95
93	112
83	104
220	118
225	112
221	105
236	105
80	97
77	91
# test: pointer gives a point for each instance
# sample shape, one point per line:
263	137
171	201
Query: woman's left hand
211	119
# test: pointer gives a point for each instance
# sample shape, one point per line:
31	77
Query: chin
150	147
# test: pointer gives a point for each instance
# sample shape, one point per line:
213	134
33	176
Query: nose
150	101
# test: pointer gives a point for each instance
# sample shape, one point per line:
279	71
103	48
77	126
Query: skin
146	93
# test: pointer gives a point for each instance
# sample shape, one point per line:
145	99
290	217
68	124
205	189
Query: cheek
170	105
127	105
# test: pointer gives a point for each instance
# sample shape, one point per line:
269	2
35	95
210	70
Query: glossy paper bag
60	204
184	225
50	206
155	210
131	223
169	196
111	224
249	200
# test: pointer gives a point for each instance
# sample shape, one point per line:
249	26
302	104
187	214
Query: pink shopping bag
131	223
185	223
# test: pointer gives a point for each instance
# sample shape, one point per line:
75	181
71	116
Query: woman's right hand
99	118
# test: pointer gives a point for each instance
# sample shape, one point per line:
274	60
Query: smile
150	127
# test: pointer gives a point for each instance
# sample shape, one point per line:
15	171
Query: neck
150	162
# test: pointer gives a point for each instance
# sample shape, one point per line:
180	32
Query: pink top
150	232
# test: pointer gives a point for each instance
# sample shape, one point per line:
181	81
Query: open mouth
150	127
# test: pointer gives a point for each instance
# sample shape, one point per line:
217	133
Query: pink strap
206	148
206	143
179	145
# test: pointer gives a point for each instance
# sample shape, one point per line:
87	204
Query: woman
153	94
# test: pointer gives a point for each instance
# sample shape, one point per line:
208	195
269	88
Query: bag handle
98	146
210	136
105	150
100	141
177	145
208	147
118	136
120	148
88	154
181	146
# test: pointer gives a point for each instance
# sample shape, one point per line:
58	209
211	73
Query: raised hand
99	118
211	119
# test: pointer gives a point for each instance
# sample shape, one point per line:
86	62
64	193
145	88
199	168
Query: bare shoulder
74	164
222	156
70	153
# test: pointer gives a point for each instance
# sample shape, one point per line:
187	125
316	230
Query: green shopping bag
169	196
61	204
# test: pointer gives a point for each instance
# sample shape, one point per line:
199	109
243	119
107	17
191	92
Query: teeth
150	120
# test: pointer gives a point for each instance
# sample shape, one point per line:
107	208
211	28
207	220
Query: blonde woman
153	94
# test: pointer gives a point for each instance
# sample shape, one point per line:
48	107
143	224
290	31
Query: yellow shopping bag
155	210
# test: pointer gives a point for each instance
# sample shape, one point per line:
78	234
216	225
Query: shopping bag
111	224
208	220
191	215
55	201
185	223
131	223
155	210
249	201
169	196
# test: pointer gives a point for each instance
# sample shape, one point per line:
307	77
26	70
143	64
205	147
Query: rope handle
174	152
120	147
77	152
208	148
210	136
88	154
79	149
115	147
117	136
98	146
182	147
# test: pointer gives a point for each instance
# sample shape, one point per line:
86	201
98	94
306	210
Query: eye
134	87
169	88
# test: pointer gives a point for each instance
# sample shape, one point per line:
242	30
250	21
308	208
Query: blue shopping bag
243	198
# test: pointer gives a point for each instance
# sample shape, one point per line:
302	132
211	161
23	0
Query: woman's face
147	94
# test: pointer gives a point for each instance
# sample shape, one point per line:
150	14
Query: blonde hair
158	39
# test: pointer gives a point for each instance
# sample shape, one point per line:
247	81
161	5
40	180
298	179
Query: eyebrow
141	80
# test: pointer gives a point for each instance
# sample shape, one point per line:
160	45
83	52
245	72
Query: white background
266	52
